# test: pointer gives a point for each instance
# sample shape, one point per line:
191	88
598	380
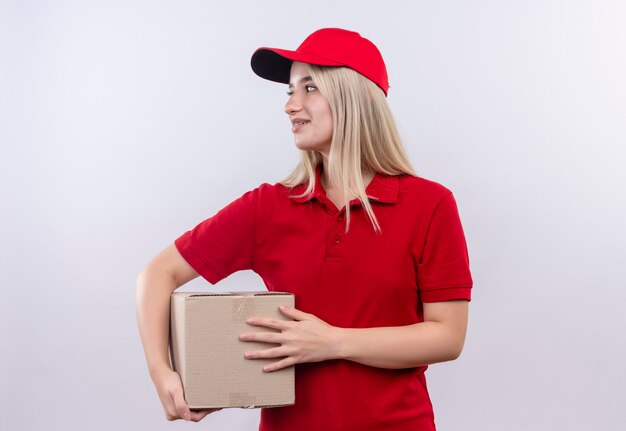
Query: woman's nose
293	104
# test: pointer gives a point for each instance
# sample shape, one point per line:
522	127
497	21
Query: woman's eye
308	88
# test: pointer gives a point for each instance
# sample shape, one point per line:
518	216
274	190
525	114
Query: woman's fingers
268	322
197	416
305	338
294	313
263	337
170	390
279	324
180	405
278	365
275	352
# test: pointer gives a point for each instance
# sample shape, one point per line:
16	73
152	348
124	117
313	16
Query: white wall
125	123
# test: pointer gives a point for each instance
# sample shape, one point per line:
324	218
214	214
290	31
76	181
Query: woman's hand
170	390
438	338
305	339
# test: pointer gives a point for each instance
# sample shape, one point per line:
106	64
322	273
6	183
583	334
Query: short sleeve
224	243
443	272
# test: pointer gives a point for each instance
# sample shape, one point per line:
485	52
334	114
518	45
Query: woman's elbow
453	345
456	353
456	348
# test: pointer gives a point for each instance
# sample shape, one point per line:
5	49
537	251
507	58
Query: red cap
324	47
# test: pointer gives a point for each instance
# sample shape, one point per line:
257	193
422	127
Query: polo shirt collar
383	188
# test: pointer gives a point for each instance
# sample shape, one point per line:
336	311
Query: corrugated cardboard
208	355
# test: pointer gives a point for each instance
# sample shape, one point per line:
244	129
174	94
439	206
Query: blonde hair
364	137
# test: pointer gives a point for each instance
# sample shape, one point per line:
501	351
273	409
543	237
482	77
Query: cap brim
275	64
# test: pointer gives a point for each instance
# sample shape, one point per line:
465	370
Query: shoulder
268	197
267	191
421	189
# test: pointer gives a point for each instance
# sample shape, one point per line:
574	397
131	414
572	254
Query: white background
125	123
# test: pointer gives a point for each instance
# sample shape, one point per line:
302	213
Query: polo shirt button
340	218
337	239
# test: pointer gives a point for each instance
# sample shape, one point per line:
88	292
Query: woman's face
308	111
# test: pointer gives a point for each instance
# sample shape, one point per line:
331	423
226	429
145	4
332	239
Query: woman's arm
439	338
308	339
155	284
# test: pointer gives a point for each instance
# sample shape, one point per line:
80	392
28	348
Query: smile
298	124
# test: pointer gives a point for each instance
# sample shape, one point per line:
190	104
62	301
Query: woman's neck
367	176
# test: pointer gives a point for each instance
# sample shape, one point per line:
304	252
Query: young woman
375	255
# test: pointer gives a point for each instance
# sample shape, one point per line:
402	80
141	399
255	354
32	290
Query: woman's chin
305	147
309	146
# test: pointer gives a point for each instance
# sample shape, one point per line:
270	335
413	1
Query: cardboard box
206	351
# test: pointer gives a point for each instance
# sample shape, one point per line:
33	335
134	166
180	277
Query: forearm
307	338
403	346
154	288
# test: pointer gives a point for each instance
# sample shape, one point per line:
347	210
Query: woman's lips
299	125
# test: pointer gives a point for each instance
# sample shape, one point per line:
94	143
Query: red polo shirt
360	279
